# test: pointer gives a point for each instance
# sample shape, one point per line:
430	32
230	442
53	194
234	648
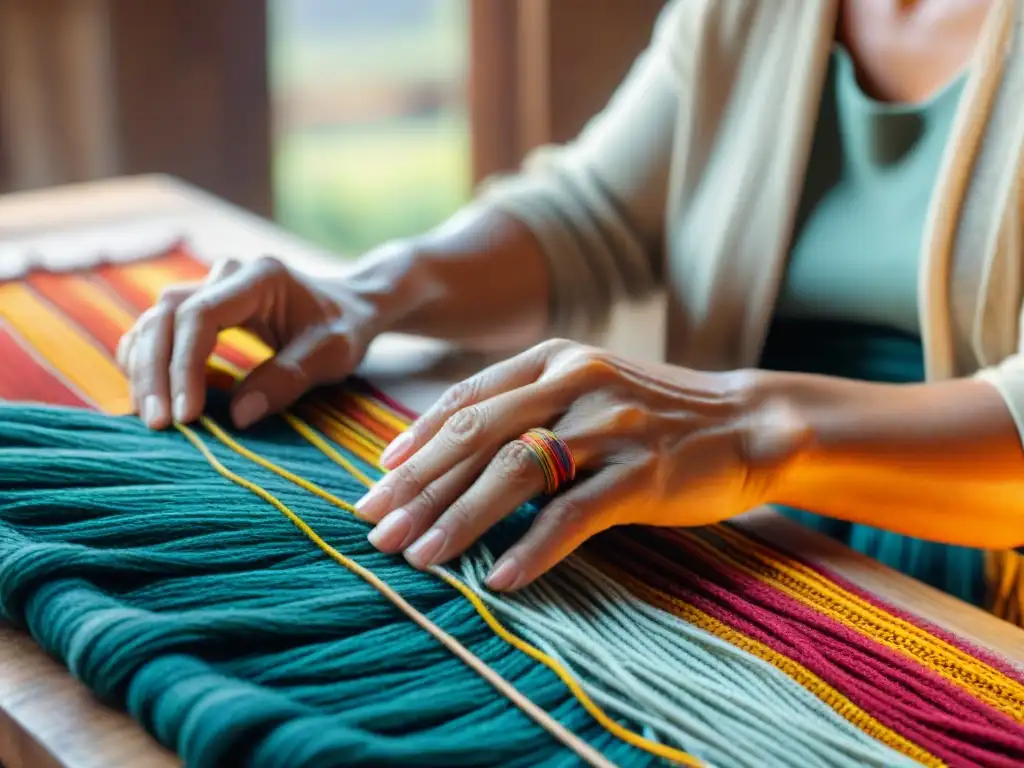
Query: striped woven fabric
881	677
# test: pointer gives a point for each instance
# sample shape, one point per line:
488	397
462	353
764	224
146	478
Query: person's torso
847	305
741	150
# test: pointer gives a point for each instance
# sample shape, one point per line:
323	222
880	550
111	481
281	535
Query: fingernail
394	452
374	504
249	409
391	531
179	408
504	576
152	410
426	549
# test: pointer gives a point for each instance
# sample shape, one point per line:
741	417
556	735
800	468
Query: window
371	137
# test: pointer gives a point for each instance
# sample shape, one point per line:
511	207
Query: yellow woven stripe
636	740
381	414
970	674
66	348
346	438
817	588
341	422
100	301
795	671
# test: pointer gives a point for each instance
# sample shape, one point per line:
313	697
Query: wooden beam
193	96
55	114
574	53
539	69
492	84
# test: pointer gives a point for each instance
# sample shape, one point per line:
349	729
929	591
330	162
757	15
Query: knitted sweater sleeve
597	204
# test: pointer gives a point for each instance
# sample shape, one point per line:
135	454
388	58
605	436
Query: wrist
386	286
778	431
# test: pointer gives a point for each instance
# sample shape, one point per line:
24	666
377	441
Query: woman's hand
657	445
319	330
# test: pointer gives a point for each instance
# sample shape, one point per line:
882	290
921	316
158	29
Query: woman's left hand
654	444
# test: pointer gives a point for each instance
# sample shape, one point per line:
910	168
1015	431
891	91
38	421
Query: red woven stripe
25	377
112	277
981	654
54	288
115	279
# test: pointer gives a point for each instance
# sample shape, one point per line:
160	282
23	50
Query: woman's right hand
319	331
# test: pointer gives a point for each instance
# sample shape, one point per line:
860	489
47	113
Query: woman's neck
907	50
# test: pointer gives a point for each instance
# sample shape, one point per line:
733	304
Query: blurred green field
436	48
356	185
352	188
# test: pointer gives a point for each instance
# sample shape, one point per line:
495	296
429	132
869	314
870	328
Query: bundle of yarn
216	586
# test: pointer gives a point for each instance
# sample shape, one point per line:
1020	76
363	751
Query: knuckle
149	319
268	268
405	478
465	426
459	516
173	295
515	460
194	310
591	366
459	395
427	502
224	266
554	346
628	417
568	516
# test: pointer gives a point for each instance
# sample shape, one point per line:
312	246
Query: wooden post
97	88
541	68
192	94
493	78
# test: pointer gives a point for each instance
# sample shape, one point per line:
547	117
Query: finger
129	345
150	356
509	374
512	478
221	269
565	523
227	303
478	429
123	358
406	524
124	349
312	359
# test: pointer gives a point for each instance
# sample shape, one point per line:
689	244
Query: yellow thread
814	582
214	429
839	703
369	454
634	739
969	674
543	718
595	711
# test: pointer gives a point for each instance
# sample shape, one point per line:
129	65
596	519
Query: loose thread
310	434
586	752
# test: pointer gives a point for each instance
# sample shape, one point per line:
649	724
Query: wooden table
49	719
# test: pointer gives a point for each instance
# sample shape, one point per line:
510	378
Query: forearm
479	280
939	461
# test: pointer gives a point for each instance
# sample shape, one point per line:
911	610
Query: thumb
306	362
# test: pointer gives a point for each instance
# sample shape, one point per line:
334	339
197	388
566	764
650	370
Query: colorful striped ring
554	457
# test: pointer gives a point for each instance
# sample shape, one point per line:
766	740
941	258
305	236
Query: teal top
848	303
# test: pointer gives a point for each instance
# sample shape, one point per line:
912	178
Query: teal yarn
198	608
182	598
